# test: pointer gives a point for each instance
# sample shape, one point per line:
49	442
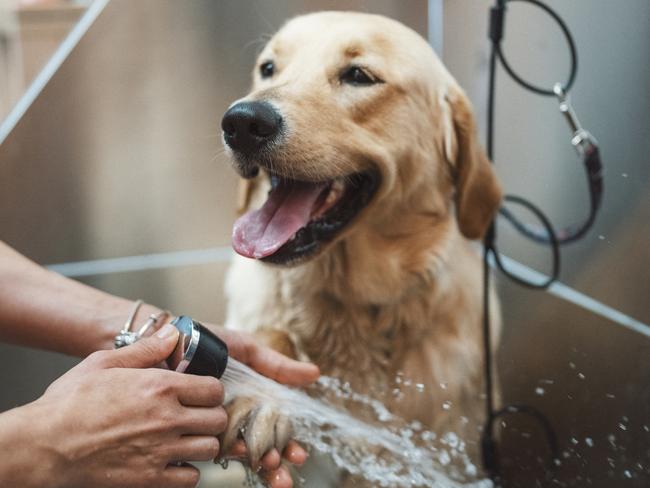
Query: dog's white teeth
336	190
334	194
338	185
331	198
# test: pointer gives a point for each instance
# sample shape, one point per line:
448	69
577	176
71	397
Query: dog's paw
261	426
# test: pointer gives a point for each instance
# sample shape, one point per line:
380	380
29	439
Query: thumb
145	353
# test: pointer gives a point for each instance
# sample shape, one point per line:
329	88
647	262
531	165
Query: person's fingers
294	453
200	391
185	476
203	421
279	367
238	450
266	361
145	353
193	448
271	460
279	478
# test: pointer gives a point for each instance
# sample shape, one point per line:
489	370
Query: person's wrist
30	458
144	313
112	323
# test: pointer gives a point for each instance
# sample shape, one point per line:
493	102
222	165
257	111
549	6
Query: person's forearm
39	308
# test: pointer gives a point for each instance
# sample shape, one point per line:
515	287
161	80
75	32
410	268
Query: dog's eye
267	69
355	75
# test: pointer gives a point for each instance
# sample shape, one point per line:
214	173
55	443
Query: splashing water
408	456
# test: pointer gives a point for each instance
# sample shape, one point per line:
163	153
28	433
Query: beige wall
30	31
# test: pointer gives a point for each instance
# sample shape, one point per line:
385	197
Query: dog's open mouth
299	216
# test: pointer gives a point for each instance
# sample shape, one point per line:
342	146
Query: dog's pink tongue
260	233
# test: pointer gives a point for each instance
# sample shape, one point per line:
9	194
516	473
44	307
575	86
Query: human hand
106	424
273	467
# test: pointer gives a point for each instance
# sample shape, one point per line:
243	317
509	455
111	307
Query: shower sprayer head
198	350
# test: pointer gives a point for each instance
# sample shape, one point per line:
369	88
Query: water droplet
627	473
419	387
574	441
451	440
444	385
428	436
581	376
622	426
601	237
624	175
446	405
572	365
610	395
547	382
625	419
444	458
406	433
539	391
589	441
646	428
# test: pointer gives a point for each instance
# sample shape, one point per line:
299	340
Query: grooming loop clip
582	139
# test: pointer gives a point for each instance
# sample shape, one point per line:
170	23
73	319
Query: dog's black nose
249	125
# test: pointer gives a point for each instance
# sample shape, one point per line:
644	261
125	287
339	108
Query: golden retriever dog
363	184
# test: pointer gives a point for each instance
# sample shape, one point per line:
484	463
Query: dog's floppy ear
478	193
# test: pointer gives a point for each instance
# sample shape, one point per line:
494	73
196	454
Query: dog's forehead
343	34
327	41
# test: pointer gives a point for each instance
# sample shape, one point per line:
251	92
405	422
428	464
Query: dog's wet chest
360	344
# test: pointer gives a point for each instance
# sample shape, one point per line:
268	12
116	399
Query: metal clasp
125	338
582	139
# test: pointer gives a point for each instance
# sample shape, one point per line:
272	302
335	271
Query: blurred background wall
588	374
120	155
30	31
